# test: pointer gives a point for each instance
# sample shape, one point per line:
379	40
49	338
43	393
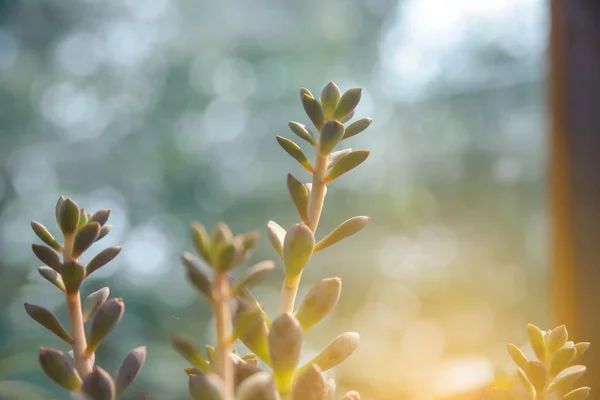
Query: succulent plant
272	370
75	370
222	373
555	373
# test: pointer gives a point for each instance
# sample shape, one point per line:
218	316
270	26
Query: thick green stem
223	320
82	364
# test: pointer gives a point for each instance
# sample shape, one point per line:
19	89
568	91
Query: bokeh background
166	112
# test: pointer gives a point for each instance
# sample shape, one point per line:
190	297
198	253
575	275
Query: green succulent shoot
220	373
75	370
555	372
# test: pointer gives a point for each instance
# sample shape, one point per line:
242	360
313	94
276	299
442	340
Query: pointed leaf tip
330	96
130	368
68	216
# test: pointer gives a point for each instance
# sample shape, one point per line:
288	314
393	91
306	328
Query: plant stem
289	289
223	319
82	364
317	193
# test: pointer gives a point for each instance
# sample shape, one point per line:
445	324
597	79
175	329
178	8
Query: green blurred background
166	112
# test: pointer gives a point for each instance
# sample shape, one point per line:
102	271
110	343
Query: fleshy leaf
57	368
330	96
562	359
518	357
68	216
536	338
310	385
52	276
197	274
285	345
357	127
345	229
93	302
537	375
303	132
106	318
348	102
557	339
297	248
351	395
336	156
101	216
347	163
48	321
102	258
47	256
98	385
295	152
186	347
276	235
254	338
318	302
314	110
566	378
206	386
201	241
336	352
42	232
257	387
299	195
331	134
85	237
581	393
130	368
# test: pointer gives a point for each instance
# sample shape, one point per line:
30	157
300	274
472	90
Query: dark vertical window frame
575	172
